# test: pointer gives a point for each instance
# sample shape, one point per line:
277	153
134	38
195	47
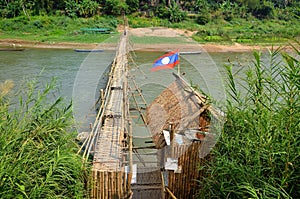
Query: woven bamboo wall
184	185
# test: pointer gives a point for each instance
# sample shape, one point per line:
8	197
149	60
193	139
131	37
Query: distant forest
173	10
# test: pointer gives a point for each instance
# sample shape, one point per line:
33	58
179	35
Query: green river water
80	75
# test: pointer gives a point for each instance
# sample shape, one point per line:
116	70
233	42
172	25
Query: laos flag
167	61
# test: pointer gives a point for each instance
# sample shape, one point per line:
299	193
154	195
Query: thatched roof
178	104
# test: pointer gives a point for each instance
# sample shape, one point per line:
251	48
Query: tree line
174	10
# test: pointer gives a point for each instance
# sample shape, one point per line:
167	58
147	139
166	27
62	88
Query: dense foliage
258	153
37	151
242	21
171	9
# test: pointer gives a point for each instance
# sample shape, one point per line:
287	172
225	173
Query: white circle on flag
165	60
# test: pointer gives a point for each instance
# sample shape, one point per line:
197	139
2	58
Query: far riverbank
209	47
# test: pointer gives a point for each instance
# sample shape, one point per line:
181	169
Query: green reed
37	149
257	155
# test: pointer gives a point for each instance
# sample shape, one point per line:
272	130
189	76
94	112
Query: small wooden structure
184	127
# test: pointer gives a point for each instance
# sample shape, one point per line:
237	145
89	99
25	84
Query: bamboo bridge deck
108	148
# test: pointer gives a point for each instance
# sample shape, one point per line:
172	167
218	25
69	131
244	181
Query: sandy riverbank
142	47
139	32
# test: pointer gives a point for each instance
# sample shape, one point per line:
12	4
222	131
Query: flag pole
178	69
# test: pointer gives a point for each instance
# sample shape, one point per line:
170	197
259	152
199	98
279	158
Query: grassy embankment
37	147
64	29
257	155
247	31
49	29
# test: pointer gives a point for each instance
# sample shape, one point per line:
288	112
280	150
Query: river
80	75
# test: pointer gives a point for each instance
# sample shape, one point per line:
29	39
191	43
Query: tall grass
258	153
37	151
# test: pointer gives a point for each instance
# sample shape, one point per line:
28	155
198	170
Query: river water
80	75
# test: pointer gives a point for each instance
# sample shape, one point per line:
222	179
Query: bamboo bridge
118	169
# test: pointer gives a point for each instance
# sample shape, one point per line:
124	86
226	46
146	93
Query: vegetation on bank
242	21
56	29
37	147
257	156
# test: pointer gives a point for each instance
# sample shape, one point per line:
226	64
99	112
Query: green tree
264	10
176	14
71	8
114	7
87	8
133	5
10	9
201	6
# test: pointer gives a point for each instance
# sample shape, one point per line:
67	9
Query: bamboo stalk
114	185
109	185
187	170
139	91
117	184
170	193
172	138
162	185
129	182
183	172
93	186
98	184
130	153
121	184
101	184
105	185
139	109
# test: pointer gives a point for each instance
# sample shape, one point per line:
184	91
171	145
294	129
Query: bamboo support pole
102	185
162	185
170	193
172	135
138	108
130	155
139	91
105	185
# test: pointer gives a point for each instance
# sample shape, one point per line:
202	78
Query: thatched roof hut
194	125
181	105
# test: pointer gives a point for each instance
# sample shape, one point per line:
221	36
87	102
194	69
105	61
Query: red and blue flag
167	61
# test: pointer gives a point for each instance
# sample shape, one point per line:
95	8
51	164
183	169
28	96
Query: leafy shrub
162	11
176	14
71	8
203	19
38	24
257	155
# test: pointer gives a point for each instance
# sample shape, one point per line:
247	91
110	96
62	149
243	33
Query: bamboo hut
184	127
